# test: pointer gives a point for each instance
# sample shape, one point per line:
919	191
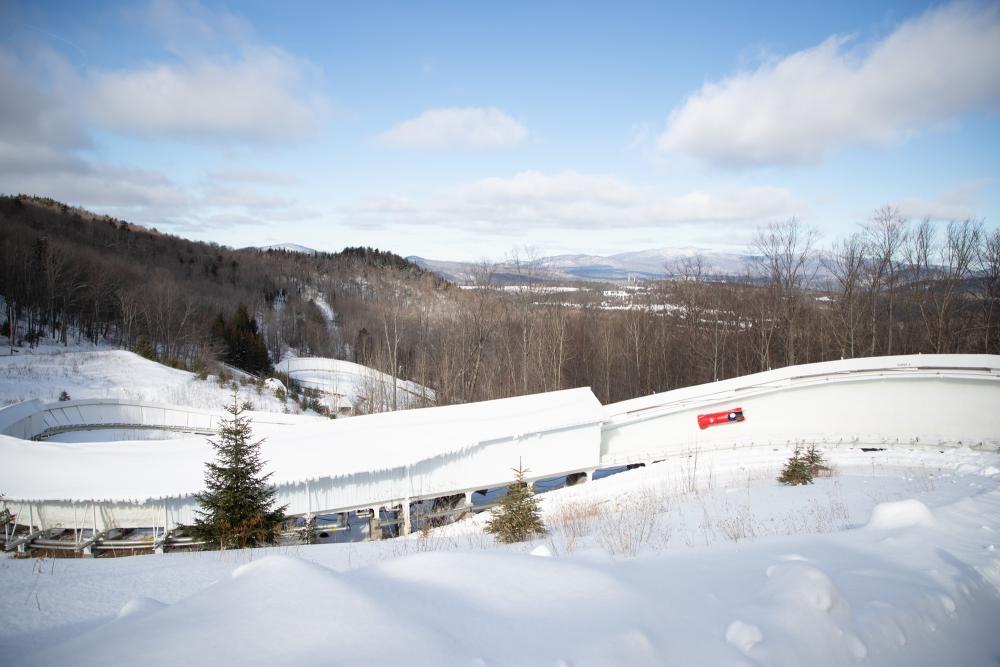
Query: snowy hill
96	373
351	387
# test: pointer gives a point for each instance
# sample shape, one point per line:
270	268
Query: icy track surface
891	561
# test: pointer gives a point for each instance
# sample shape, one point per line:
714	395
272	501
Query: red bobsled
711	419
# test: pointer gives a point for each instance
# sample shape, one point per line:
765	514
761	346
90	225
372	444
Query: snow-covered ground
702	559
106	373
890	561
354	387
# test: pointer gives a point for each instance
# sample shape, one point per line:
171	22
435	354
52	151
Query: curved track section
36	420
933	400
393	459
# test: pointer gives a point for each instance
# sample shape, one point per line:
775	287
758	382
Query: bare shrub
571	523
740	525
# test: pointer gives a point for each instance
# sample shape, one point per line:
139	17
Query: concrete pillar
405	509
374	525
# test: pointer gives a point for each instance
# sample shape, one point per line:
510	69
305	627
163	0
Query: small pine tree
6	516
816	462
144	348
237	509
797	470
518	516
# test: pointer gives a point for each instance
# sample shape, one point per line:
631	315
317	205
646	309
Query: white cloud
930	70
570	200
216	83
219	86
958	203
262	95
468	128
187	28
43	144
30	115
222	83
139	193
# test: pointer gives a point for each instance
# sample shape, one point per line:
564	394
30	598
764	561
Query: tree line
894	286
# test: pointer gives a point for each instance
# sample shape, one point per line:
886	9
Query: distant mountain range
641	265
655	264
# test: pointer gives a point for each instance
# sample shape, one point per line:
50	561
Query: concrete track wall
36	419
868	408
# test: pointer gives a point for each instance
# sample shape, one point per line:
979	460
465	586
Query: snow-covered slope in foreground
913	580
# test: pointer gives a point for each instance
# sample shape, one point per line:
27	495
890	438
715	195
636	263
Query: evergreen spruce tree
237	509
797	470
816	462
6	516
518	516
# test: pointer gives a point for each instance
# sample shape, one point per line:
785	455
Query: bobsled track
387	468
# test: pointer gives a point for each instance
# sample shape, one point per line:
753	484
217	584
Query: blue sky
463	131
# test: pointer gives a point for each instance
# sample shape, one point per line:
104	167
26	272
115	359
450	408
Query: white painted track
934	400
383	460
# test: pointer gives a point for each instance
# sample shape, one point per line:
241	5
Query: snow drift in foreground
914	580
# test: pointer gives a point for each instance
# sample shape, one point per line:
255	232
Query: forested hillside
900	287
68	274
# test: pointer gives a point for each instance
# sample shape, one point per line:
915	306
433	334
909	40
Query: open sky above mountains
461	131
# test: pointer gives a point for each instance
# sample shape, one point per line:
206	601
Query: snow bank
900	514
256	617
512	609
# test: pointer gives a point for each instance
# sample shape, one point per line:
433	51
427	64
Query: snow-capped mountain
643	265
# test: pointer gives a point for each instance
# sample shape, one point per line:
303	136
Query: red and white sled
725	417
